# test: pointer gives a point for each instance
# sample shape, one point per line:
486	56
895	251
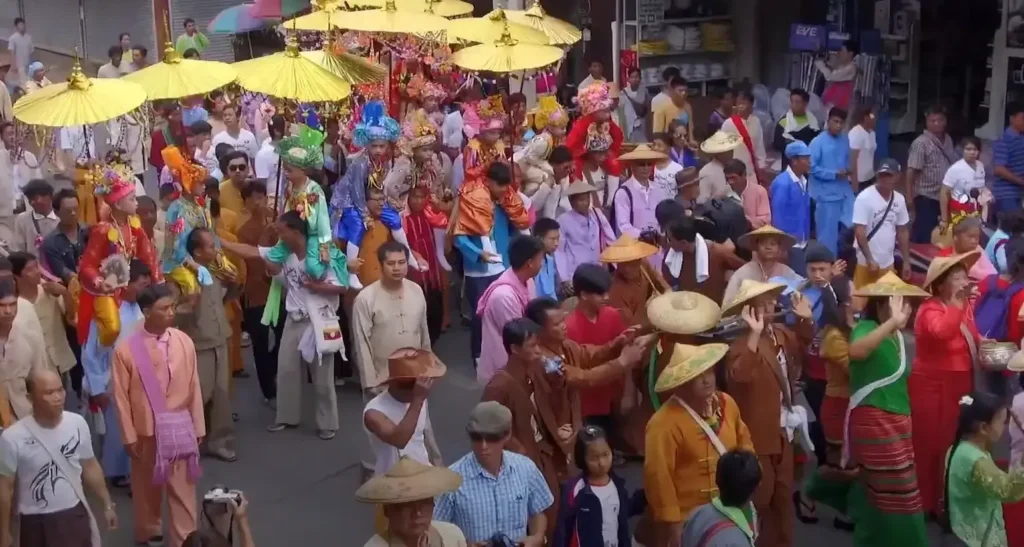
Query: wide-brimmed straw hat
720	143
890	284
643	152
413	363
579	187
688	362
749	290
407	481
683	312
942	264
627	249
747	240
688	176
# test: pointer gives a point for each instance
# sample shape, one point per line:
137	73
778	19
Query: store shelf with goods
683	20
683	52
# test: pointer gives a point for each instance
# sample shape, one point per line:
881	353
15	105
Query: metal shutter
203	11
9	10
53	24
106	19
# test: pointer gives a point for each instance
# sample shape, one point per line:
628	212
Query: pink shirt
756	207
504	301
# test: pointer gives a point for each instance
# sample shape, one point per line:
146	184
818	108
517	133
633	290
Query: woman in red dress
943	369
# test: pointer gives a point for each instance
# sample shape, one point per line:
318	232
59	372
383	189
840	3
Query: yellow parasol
289	75
351	68
391	20
444	8
485	29
505	55
175	77
559	32
79	101
318	20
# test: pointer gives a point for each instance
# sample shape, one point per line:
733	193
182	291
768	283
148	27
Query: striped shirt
932	158
1008	152
485	506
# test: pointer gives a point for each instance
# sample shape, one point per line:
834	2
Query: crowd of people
665	297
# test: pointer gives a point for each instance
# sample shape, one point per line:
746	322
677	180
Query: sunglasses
489	437
235	168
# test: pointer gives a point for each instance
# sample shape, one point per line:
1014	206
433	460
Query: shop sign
650	12
807	37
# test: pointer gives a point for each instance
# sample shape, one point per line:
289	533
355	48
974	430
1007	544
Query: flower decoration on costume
117	182
599	137
375	125
549	113
966	400
485	115
433	90
188	174
303	150
418	130
594	97
956	217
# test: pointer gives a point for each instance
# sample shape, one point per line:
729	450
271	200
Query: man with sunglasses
235	168
490	472
636	199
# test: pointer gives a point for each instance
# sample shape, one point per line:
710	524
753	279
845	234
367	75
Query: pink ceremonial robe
174	358
503	301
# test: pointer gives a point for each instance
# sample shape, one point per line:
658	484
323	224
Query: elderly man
407	491
45	460
636	199
492	473
767	244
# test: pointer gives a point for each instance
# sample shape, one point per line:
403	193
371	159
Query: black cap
890	166
818	252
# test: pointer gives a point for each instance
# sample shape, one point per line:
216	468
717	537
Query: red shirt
1014	328
941	344
597	401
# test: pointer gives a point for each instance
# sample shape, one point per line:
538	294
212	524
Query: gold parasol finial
171	55
77	79
536	10
291	46
506	38
430	6
497	15
389	5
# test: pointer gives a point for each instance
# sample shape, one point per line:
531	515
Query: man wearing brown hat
407	492
492	473
584	231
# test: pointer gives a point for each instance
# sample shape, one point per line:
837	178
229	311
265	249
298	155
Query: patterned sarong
881	446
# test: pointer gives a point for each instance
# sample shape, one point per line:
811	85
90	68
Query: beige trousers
291	377
215	383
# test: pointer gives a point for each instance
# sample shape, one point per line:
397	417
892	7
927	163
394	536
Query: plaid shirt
932	160
485	506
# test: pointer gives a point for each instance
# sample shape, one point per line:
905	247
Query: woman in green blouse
975	487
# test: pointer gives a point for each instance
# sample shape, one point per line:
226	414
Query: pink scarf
509	278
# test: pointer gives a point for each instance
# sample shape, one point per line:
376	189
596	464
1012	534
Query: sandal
800	507
326	434
274	428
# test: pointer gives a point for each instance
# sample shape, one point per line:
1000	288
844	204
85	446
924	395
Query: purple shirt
583	239
633	221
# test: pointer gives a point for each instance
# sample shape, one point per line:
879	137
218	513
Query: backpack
993	309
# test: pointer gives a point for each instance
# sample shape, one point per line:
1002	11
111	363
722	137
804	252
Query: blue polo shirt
1008	151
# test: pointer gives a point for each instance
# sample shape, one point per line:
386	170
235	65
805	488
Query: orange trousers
148	499
233	311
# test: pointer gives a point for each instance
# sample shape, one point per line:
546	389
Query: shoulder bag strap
888	207
145	367
710	533
858	396
62	462
629	194
715	441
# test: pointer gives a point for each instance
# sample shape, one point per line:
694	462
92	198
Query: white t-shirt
42	487
74	140
666	178
961	178
293	275
864	141
246	142
266	164
867	211
387	455
608	495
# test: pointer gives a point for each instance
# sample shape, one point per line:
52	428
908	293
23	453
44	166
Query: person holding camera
226	512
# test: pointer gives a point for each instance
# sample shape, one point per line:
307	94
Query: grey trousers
215	383
291	377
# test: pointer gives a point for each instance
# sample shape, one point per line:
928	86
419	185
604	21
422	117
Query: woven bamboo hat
579	187
408	480
720	143
683	312
941	265
890	284
687	363
413	363
749	290
642	152
747	240
626	249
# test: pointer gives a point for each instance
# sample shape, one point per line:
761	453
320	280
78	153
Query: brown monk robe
631	289
541	385
763	366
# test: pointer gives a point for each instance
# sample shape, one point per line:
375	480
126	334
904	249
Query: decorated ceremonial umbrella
351	68
238	19
390	20
444	8
317	21
506	54
79	101
175	77
559	32
289	75
491	26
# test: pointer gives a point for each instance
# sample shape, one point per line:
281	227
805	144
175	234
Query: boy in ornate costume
185	214
550	121
596	105
375	134
431	96
484	123
113	243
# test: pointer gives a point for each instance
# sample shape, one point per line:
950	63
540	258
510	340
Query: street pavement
301	488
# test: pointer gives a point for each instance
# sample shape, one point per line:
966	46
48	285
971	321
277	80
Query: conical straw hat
687	363
642	152
749	290
408	480
890	284
720	143
626	249
683	312
747	240
941	265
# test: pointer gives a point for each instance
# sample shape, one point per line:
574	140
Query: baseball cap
489	418
797	149
890	166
